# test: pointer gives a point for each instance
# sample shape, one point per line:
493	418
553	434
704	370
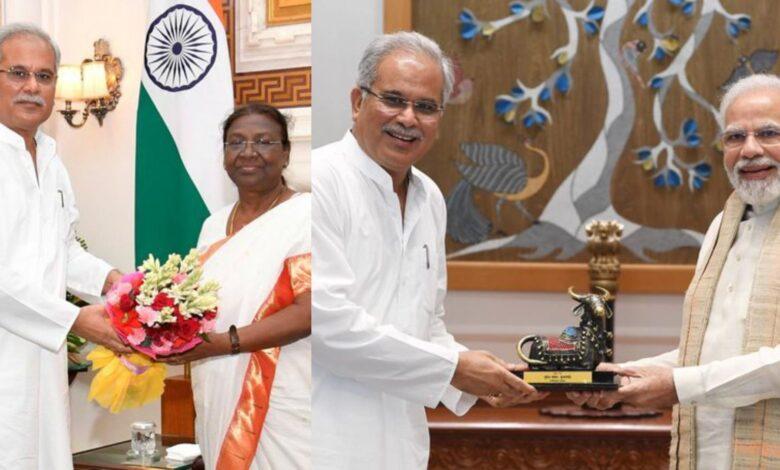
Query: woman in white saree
252	382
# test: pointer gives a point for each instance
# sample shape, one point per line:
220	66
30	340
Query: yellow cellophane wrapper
117	388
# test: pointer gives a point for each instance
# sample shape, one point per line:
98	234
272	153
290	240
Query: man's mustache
756	162
27	98
409	132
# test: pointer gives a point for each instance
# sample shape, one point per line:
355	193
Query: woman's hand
218	345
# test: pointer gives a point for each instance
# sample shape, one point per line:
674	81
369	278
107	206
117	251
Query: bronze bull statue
577	348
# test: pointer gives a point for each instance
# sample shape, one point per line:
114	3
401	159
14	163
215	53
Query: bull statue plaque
568	362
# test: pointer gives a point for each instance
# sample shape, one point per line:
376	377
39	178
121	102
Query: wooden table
521	438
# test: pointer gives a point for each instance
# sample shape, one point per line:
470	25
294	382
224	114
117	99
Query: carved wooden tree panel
569	111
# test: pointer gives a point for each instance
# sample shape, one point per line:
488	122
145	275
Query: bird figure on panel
500	171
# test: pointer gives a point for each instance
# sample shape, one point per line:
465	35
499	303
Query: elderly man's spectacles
258	146
766	137
396	103
21	75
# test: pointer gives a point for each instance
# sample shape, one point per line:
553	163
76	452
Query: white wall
339	36
646	325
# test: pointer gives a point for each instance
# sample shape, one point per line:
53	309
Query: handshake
483	374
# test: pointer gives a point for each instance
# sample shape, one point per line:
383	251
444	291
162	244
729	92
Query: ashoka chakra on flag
181	46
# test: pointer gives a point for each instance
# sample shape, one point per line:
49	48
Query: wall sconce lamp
95	82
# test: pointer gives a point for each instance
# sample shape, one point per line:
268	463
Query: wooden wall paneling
397	15
288	11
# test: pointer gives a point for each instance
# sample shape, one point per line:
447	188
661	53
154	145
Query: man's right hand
483	374
93	325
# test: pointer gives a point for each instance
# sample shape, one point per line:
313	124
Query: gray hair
408	41
17	29
759	81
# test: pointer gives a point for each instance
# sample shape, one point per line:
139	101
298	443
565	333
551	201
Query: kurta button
731	287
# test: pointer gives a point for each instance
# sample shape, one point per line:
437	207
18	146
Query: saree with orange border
253	410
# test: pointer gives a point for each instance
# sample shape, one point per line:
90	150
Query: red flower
210	315
126	303
162	300
187	329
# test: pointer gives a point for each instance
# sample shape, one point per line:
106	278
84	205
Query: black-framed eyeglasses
21	75
397	103
768	136
258	146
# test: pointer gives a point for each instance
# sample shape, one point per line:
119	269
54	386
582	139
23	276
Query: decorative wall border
282	88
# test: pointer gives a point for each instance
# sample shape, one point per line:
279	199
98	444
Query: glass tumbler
142	438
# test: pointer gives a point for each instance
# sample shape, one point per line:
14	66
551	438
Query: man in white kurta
380	350
726	378
39	258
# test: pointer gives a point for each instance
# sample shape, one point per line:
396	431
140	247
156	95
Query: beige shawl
757	427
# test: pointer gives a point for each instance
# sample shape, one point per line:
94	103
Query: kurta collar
760	209
373	170
46	146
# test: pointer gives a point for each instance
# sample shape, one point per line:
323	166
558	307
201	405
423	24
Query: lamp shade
94	80
68	82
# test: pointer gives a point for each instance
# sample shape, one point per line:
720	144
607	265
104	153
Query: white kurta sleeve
349	342
733	382
668	359
455	400
32	313
86	273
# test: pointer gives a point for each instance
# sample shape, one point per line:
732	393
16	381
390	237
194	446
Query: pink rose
122	288
134	279
179	278
146	315
208	326
163	346
112	297
137	336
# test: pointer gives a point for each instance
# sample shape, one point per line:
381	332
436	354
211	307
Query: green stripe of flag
168	208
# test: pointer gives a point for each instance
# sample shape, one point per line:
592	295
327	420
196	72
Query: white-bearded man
725	375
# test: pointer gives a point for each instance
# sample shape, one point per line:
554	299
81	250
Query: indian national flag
186	92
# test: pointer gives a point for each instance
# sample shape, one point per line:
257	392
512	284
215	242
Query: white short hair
409	41
750	83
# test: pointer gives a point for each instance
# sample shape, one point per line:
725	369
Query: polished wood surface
178	409
397	15
522	438
557	277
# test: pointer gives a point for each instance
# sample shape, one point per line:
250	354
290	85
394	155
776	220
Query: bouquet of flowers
160	309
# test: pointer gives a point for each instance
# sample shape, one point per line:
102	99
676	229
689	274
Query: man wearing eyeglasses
725	376
39	258
381	352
